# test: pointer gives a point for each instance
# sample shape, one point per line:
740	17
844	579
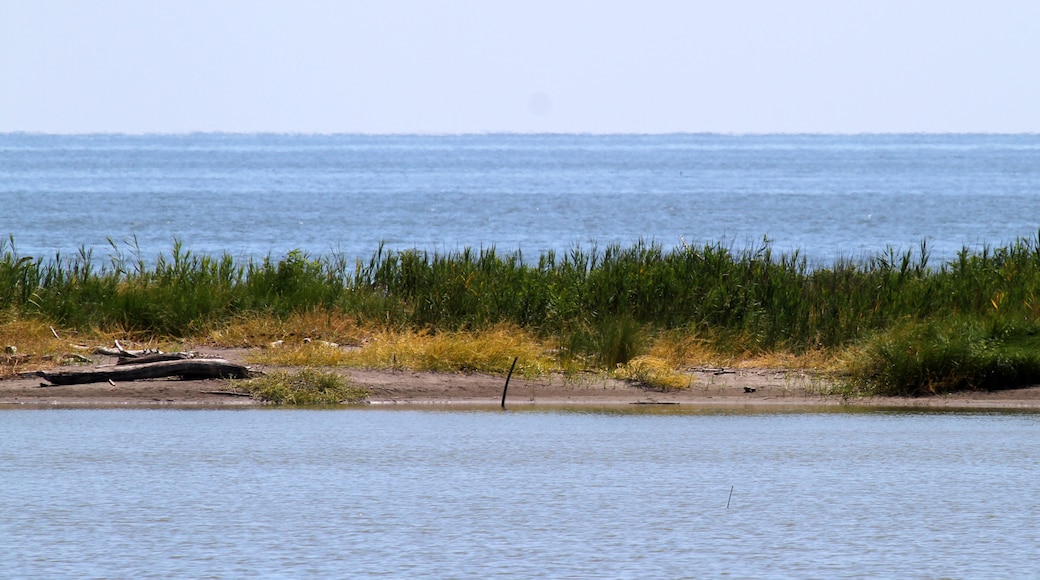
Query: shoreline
714	389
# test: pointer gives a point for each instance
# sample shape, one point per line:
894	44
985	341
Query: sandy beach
752	389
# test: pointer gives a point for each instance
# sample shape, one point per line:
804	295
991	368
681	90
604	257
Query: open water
403	494
257	195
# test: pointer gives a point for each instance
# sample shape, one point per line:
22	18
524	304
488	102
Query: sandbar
747	389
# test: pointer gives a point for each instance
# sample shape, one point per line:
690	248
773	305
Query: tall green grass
599	304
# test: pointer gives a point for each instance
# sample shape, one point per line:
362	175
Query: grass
305	387
653	373
254	329
490	351
28	345
947	355
582	309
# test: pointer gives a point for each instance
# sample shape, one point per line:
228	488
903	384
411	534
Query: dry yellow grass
260	330
680	350
654	373
817	360
489	351
28	345
686	351
313	354
320	338
30	336
492	351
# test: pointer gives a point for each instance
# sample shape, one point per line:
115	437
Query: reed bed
604	307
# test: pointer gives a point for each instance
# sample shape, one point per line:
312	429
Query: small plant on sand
305	387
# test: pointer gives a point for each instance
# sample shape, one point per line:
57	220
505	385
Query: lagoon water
257	195
362	493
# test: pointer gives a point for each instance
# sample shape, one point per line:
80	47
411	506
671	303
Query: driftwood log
198	368
123	353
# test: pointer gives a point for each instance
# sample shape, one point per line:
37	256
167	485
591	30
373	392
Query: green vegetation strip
905	326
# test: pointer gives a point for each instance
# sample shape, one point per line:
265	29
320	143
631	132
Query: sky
524	66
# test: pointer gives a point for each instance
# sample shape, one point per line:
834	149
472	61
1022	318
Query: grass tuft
305	387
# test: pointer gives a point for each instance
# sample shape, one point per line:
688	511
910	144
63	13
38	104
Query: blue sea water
827	196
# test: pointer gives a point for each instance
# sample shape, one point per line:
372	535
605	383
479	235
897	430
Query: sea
437	492
828	197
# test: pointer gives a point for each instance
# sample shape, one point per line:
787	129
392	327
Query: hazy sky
641	66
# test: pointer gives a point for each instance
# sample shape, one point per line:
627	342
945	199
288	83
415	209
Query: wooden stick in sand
510	375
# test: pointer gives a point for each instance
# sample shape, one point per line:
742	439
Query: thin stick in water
510	375
730	496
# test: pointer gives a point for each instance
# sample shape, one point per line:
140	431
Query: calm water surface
254	195
144	493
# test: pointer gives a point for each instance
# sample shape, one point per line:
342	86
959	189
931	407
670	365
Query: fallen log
188	369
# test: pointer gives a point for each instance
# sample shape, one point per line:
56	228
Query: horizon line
513	133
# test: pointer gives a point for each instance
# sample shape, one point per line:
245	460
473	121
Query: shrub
945	355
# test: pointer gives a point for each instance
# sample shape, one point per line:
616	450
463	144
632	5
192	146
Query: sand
737	389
